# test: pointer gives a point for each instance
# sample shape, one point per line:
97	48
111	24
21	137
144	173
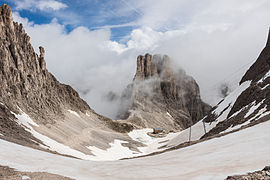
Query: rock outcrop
25	81
263	174
161	96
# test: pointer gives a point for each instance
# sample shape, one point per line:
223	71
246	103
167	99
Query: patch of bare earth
7	173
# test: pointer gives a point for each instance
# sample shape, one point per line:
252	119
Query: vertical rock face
42	58
162	97
25	81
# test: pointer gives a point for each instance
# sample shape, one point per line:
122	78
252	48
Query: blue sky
94	14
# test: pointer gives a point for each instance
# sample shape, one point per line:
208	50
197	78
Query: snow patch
265	87
115	152
24	119
169	114
264	77
51	144
1	134
231	98
152	144
25	177
74	113
118	151
253	108
262	112
200	128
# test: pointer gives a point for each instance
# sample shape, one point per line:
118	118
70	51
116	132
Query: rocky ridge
25	81
28	87
161	96
253	103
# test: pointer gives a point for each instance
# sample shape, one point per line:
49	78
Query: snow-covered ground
74	113
240	152
264	77
200	128
51	144
152	144
116	150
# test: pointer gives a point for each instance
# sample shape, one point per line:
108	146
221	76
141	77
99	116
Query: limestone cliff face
161	96
26	85
25	81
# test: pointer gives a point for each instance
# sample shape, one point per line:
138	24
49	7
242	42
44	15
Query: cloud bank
39	5
214	41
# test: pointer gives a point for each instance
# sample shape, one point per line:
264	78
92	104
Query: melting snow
118	151
237	153
199	129
25	120
152	144
169	114
53	145
262	112
25	177
231	98
74	113
264	77
265	87
115	152
253	108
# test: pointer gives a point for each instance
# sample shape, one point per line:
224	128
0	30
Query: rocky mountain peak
261	66
25	81
162	96
149	66
6	13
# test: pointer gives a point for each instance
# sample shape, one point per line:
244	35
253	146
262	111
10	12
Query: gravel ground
7	173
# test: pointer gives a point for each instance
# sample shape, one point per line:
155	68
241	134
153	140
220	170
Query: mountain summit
161	96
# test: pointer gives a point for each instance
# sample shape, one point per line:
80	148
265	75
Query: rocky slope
251	104
161	96
25	81
263	174
35	107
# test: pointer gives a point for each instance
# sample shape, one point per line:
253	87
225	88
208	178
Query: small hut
158	130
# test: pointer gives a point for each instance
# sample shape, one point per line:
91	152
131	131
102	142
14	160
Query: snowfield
200	128
115	152
152	144
243	151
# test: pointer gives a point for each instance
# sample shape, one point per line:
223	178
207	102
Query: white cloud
42	5
214	41
54	5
